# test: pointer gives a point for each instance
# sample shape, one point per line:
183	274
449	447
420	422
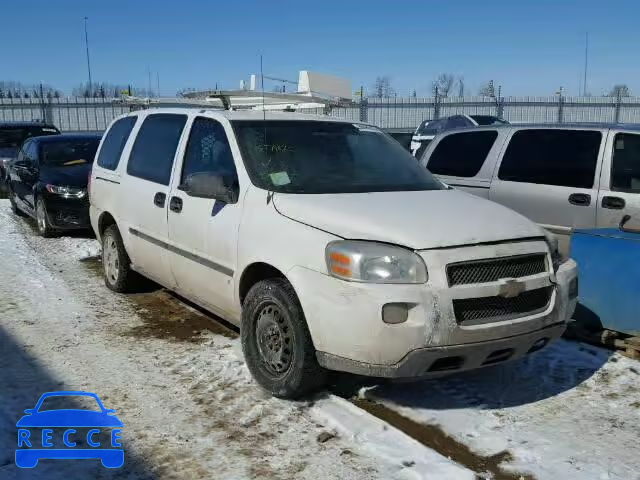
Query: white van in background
326	242
428	129
561	176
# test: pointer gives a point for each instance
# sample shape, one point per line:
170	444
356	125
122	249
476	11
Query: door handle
580	199
175	204
159	198
614	203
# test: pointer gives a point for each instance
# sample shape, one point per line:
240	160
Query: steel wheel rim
41	218
274	335
111	260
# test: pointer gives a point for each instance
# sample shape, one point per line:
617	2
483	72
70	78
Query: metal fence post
364	114
560	108
499	103
618	106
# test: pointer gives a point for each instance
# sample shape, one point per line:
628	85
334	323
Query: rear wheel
118	275
42	219
276	342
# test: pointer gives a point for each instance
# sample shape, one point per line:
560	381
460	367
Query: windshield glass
488	120
429	127
65	402
69	152
327	157
13	137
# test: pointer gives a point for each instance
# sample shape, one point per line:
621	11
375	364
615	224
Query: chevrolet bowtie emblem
511	288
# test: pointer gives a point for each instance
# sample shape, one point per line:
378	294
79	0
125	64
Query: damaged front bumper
346	326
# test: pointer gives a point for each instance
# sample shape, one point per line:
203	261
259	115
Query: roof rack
241	100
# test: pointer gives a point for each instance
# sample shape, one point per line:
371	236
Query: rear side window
155	147
566	158
462	154
625	171
114	141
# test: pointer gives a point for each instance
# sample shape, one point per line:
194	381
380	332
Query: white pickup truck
326	242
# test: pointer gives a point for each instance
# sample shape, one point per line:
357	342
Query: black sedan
48	181
13	134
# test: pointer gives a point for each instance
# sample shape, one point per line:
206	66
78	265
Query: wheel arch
105	220
254	273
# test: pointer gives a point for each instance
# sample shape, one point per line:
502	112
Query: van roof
250	114
552	126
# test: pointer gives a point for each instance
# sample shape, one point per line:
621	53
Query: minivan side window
462	154
208	150
114	141
566	158
625	169
155	147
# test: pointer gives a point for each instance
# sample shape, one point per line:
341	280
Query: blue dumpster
609	274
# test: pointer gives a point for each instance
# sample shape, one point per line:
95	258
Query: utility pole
86	42
149	94
586	61
157	84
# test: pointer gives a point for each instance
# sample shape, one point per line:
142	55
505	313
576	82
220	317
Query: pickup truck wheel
116	264
276	342
42	219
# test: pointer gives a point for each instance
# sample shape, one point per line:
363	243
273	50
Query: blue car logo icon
57	433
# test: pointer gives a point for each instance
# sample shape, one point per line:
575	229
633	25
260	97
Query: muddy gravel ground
175	377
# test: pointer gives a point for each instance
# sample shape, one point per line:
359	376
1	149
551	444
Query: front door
147	180
22	175
203	232
620	186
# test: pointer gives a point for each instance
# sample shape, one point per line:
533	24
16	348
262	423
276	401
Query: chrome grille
493	269
474	311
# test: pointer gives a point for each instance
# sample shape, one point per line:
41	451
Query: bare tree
461	86
487	89
443	84
18	89
382	87
620	90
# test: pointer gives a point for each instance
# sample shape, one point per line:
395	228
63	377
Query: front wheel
276	342
14	206
42	219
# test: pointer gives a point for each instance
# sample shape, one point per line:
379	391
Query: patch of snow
570	411
190	408
385	442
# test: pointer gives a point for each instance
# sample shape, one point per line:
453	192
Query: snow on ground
568	412
188	405
191	410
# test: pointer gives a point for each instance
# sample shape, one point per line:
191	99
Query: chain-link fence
80	114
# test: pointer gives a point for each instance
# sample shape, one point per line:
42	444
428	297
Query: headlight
66	191
556	257
360	261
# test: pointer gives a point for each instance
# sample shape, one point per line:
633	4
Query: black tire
118	275
14	206
42	219
295	373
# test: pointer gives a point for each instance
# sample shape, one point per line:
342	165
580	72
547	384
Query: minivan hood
418	220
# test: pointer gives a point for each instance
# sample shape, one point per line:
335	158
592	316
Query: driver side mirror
210	185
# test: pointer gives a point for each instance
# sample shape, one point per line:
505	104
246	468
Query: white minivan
561	176
326	242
